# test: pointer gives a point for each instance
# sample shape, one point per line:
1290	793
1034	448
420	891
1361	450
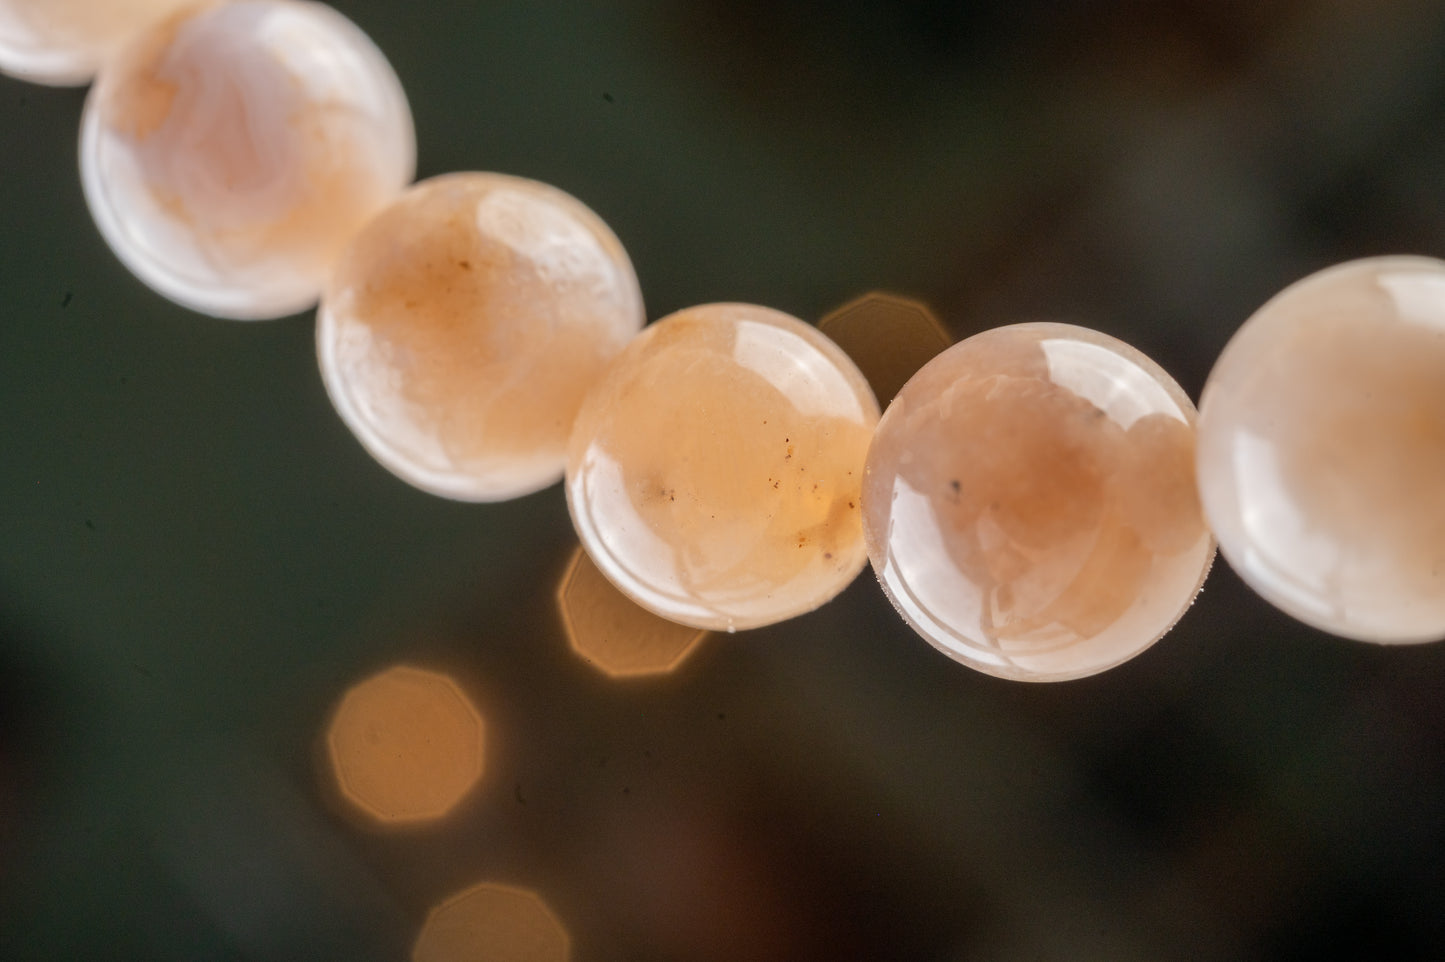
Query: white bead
229	154
1322	450
64	42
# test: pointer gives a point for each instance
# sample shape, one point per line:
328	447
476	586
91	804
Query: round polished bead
714	470
1029	503
463	325
229	153
64	42
1322	450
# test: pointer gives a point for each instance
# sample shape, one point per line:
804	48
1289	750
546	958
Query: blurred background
198	562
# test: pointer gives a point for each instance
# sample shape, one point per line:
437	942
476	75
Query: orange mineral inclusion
1030	505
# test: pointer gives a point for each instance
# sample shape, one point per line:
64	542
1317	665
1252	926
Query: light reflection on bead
463	325
64	42
1029	502
227	155
713	473
1322	450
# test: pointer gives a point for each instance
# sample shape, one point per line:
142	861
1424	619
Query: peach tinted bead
714	471
1029	503
228	154
1322	450
463	326
64	42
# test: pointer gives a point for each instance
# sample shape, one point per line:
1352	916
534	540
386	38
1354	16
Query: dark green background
196	559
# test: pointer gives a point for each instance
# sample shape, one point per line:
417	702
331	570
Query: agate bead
1322	450
714	470
1029	502
228	153
463	325
64	42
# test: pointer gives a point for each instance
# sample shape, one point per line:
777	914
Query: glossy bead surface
713	473
1322	450
463	325
1029	503
228	154
64	42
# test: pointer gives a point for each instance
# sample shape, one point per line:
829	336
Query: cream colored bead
464	324
714	470
1029	503
64	42
228	154
1322	450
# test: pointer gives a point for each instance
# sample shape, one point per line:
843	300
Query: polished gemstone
63	42
714	471
462	327
228	153
1029	503
1322	450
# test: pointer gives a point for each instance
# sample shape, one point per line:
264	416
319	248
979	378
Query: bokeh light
492	923
888	337
613	633
406	745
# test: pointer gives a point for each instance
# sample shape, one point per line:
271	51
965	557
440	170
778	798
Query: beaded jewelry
1029	501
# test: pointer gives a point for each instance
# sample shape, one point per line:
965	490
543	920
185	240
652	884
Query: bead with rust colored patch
1030	506
713	473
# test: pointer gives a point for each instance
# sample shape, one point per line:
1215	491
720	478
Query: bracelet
1029	495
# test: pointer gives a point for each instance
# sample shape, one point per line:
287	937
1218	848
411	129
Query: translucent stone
64	42
714	471
1322	450
1029	504
462	327
228	154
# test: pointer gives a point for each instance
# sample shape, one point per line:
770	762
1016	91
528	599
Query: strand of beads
1034	501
